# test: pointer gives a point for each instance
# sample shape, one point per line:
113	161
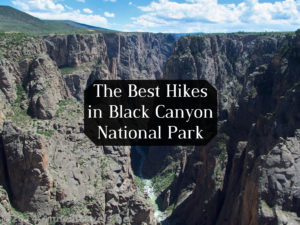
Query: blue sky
177	16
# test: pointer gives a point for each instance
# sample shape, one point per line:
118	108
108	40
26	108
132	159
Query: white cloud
183	16
94	20
210	16
39	5
86	10
48	9
83	1
68	7
107	14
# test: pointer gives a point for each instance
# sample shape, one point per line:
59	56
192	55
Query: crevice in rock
135	161
6	180
138	158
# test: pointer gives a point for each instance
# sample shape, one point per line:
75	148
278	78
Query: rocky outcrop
49	167
226	61
77	82
247	174
229	62
45	86
17	53
27	163
5	209
7	82
75	50
109	56
138	56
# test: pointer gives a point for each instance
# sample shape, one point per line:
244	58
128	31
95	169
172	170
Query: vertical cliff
249	173
48	166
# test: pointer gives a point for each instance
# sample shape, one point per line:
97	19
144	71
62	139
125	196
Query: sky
170	16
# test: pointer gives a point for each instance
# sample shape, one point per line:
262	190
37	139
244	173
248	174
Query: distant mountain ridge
13	20
82	25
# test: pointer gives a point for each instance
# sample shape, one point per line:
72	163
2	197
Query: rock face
4	207
48	166
109	56
27	165
138	56
7	82
248	173
74	50
45	86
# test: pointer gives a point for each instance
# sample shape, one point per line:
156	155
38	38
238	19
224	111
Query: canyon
248	174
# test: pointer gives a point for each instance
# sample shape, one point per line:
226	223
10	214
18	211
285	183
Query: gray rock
46	88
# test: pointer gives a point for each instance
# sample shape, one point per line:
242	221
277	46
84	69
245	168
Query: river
148	185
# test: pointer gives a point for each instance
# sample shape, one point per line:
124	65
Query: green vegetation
10	43
139	183
221	145
81	161
15	39
59	111
96	181
104	162
253	92
19	115
20	93
13	20
170	209
162	182
45	133
64	106
69	70
164	179
65	102
103	166
223	156
242	33
221	160
74	210
265	205
18	214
